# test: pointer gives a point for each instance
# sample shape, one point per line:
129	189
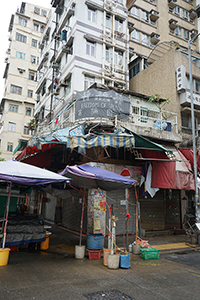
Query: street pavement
57	274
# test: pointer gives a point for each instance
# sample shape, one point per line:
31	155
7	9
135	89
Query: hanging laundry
56	80
64	35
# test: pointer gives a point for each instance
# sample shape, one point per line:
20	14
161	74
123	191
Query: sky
9	8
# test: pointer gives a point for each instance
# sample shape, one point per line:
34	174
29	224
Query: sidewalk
62	241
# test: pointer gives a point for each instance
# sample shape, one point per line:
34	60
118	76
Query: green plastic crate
149	253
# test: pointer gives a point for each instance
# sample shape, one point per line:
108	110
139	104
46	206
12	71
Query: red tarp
188	153
32	150
173	174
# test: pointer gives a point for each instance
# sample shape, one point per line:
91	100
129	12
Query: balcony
154	15
149	122
185	99
172	3
68	12
173	24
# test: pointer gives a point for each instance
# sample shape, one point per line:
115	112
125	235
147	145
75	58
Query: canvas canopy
96	177
23	174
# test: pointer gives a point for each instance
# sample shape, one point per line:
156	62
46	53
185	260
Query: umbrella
93	177
96	177
23	174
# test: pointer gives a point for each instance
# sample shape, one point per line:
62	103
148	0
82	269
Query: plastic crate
94	254
149	253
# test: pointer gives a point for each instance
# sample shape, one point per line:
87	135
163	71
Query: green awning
141	142
21	145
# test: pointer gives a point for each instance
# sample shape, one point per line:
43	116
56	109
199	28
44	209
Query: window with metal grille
21	38
13	108
10	147
16	89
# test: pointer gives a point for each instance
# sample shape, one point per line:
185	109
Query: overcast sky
9	7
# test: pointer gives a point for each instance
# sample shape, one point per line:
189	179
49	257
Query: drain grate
107	295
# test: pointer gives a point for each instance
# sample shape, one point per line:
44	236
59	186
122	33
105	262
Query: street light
193	129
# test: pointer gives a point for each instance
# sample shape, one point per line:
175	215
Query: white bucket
113	261
130	248
79	252
136	249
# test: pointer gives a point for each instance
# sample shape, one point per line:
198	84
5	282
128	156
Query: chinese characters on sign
181	79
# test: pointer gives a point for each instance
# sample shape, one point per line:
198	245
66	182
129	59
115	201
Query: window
178	31
34	43
20	55
134	71
135	110
22	21
44	13
107	56
108	21
90	48
28	111
35	26
30	94
13	108
118	25
91	15
197	86
135	12
16	89
26	130
36	10
135	35
186	34
42	28
33	59
11	126
177	10
68	87
145	39
185	14
31	76
145	16
88	81
10	147
118	56
20	37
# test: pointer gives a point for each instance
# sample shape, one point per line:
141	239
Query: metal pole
193	129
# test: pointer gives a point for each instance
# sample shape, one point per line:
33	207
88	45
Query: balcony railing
153	119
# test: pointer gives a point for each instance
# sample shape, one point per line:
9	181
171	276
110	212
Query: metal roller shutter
71	213
152	211
114	197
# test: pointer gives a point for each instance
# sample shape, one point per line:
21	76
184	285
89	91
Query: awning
91	177
176	174
143	143
188	153
21	145
90	141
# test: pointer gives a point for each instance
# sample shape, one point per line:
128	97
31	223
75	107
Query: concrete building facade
18	102
84	42
153	22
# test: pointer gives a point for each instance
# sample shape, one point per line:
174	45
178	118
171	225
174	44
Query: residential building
86	111
18	102
84	42
153	22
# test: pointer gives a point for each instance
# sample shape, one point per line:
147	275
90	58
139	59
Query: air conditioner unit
194	32
172	3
